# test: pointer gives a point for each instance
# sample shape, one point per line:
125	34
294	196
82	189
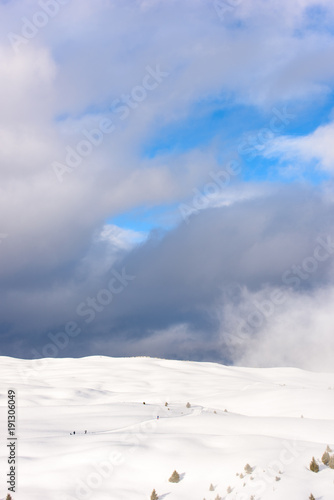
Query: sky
167	180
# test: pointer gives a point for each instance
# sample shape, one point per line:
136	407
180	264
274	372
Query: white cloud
124	239
317	146
299	332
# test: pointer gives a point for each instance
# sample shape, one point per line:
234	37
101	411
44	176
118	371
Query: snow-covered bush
154	495
325	458
175	477
331	462
248	469
314	467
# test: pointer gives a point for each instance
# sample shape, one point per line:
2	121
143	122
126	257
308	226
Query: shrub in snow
212	488
325	458
188	405
8	497
277	478
166	404
175	477
311	497
229	489
241	476
154	495
248	469
314	467
218	497
331	462
328	449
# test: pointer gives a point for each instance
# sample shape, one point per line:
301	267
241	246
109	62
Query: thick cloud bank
249	283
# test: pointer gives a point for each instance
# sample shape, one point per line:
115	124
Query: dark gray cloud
177	284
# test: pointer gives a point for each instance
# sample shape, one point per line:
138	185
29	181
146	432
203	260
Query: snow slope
127	451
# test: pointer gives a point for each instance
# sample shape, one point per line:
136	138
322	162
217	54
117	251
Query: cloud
124	239
296	334
84	67
185	284
316	146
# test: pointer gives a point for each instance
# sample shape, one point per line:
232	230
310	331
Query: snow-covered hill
273	419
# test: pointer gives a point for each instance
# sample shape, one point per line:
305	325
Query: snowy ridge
127	451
